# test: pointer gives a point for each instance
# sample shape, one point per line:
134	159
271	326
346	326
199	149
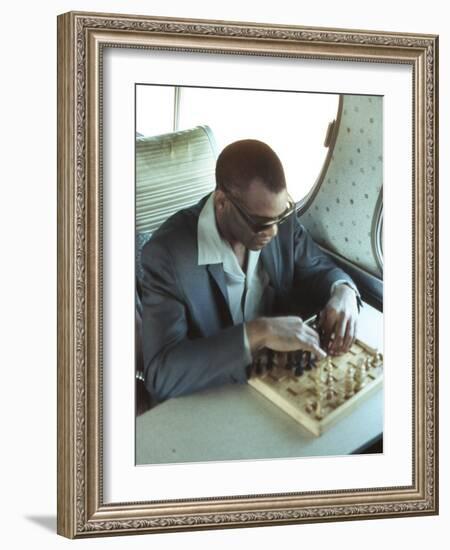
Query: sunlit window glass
293	124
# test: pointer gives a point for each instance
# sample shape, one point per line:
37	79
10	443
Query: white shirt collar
212	249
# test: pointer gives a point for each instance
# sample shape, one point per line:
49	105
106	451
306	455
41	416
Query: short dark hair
242	161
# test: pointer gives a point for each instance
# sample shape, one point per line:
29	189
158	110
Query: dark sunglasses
256	224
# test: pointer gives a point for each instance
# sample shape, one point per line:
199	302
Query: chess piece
257	365
261	362
349	382
310	361
331	392
320	390
279	359
305	362
299	370
360	374
290	360
270	359
320	393
319	410
377	361
296	363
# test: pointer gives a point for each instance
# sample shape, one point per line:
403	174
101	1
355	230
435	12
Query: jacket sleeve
314	270
175	363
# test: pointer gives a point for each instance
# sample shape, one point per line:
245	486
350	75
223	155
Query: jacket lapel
217	273
270	258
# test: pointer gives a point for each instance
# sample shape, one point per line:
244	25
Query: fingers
311	332
318	352
338	321
339	334
309	340
344	336
326	323
329	325
349	335
290	334
338	324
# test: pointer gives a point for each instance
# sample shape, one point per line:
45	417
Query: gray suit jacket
188	337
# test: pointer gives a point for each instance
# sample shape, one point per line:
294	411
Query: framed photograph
177	408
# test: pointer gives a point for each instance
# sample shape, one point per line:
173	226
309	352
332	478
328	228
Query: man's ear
219	199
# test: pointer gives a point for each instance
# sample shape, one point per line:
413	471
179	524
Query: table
235	422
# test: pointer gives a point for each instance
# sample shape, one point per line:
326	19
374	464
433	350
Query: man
228	276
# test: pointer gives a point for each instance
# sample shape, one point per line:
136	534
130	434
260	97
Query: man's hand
283	334
338	320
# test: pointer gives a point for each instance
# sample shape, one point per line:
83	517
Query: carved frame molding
81	37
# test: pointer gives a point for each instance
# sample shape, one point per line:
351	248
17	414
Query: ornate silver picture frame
82	508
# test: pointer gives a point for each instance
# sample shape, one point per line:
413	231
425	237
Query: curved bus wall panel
344	212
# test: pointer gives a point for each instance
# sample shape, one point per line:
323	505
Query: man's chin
258	245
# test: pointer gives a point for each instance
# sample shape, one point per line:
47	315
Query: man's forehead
263	202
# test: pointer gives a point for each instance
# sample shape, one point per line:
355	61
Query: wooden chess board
318	394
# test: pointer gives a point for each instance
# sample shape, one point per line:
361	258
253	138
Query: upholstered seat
173	171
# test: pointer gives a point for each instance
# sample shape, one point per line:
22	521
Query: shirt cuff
349	284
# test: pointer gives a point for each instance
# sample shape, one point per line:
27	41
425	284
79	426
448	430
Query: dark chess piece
307	362
257	365
270	359
299	368
297	363
304	359
260	364
290	360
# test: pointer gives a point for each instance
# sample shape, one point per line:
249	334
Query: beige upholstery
173	171
345	213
